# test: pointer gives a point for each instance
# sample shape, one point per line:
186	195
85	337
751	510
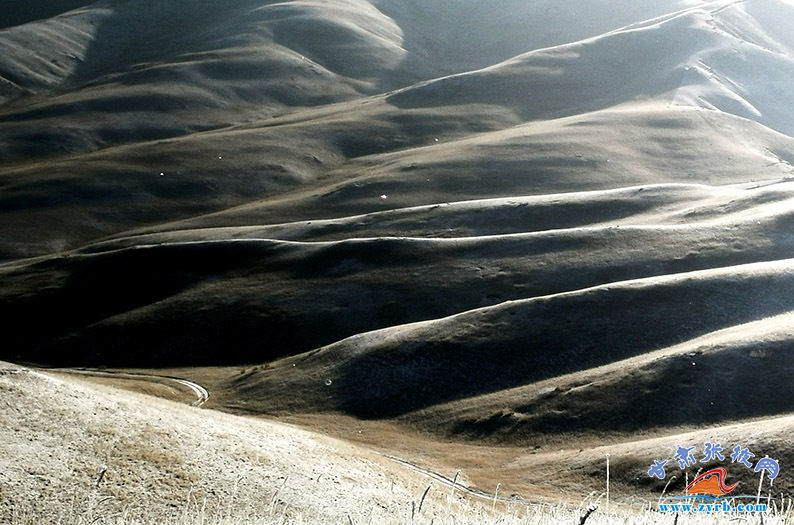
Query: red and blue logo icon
713	484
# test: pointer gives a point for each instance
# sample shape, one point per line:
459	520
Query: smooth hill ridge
120	189
646	143
652	205
270	157
494	238
478	35
126	73
628	458
401	369
697	58
702	381
18	12
281	291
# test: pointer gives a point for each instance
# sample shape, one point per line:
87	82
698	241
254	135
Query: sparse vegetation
464	513
434	260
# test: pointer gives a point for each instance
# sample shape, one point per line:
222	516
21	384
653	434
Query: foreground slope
80	453
83	453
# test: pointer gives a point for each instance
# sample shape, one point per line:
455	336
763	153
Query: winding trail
201	393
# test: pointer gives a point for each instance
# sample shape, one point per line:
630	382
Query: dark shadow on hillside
252	302
513	345
450	37
140	31
18	12
71	293
701	388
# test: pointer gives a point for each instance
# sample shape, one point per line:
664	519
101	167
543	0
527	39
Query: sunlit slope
702	381
118	72
339	164
397	227
281	290
81	453
460	35
717	57
128	78
630	460
642	143
356	38
407	368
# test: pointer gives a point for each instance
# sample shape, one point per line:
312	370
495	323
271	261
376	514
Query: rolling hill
470	227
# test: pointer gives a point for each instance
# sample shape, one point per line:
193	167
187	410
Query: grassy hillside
101	454
202	466
471	234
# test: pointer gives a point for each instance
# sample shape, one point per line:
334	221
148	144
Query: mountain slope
99	449
714	58
495	227
397	370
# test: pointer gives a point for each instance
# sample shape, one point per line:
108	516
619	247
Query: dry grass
211	196
72	450
590	512
75	452
150	387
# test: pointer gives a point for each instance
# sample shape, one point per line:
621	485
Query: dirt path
456	485
201	393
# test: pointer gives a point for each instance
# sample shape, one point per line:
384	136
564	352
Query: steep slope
224	63
18	12
126	72
256	160
456	36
